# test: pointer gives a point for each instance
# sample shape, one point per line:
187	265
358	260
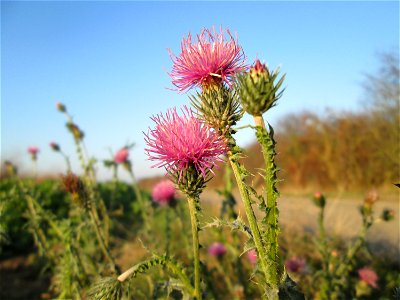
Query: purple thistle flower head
163	192
181	142
368	276
121	156
33	150
295	264
217	249
252	256
211	59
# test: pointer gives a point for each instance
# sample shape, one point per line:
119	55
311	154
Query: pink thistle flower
121	156
368	276
33	150
163	192
295	264
179	142
252	256
211	59
217	249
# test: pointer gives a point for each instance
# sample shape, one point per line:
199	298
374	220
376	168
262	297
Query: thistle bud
61	107
257	89
75	130
319	200
370	198
54	146
387	215
33	151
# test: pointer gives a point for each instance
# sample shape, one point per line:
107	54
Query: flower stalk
193	204
267	143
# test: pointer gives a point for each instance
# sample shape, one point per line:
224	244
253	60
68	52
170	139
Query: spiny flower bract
210	59
179	142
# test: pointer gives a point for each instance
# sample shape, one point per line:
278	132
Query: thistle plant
335	273
33	151
56	148
75	186
188	149
89	178
215	63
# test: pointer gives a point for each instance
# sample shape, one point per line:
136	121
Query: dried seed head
75	186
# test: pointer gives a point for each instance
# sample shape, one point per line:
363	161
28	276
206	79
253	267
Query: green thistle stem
39	232
167	229
102	243
139	199
267	143
244	193
345	265
195	236
326	287
35	172
67	161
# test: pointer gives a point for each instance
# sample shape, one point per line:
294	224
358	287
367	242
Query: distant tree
383	104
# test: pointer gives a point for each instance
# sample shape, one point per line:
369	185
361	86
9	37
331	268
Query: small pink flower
368	276
179	142
121	156
295	264
252	256
211	59
33	150
217	250
163	192
317	194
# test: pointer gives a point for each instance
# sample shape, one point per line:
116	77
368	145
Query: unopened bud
319	199
75	130
61	107
33	151
54	146
388	215
257	89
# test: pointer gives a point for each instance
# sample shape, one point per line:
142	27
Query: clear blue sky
107	62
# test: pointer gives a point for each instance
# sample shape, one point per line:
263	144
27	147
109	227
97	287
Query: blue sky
107	62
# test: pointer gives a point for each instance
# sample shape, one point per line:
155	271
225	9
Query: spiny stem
326	287
267	143
244	193
195	237
139	199
102	243
68	163
167	230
